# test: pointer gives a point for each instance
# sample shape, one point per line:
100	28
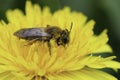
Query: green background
106	13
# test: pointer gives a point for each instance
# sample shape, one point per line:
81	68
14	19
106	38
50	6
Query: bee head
64	37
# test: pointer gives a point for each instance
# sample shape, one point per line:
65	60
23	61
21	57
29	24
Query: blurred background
106	13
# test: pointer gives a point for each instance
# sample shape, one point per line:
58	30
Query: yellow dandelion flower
75	61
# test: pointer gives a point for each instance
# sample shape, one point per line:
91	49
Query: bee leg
49	46
30	42
58	41
43	78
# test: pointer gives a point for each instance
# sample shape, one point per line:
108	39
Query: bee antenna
71	27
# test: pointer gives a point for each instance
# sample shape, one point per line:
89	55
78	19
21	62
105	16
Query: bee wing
31	32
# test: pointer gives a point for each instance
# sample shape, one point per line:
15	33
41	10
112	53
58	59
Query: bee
61	37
